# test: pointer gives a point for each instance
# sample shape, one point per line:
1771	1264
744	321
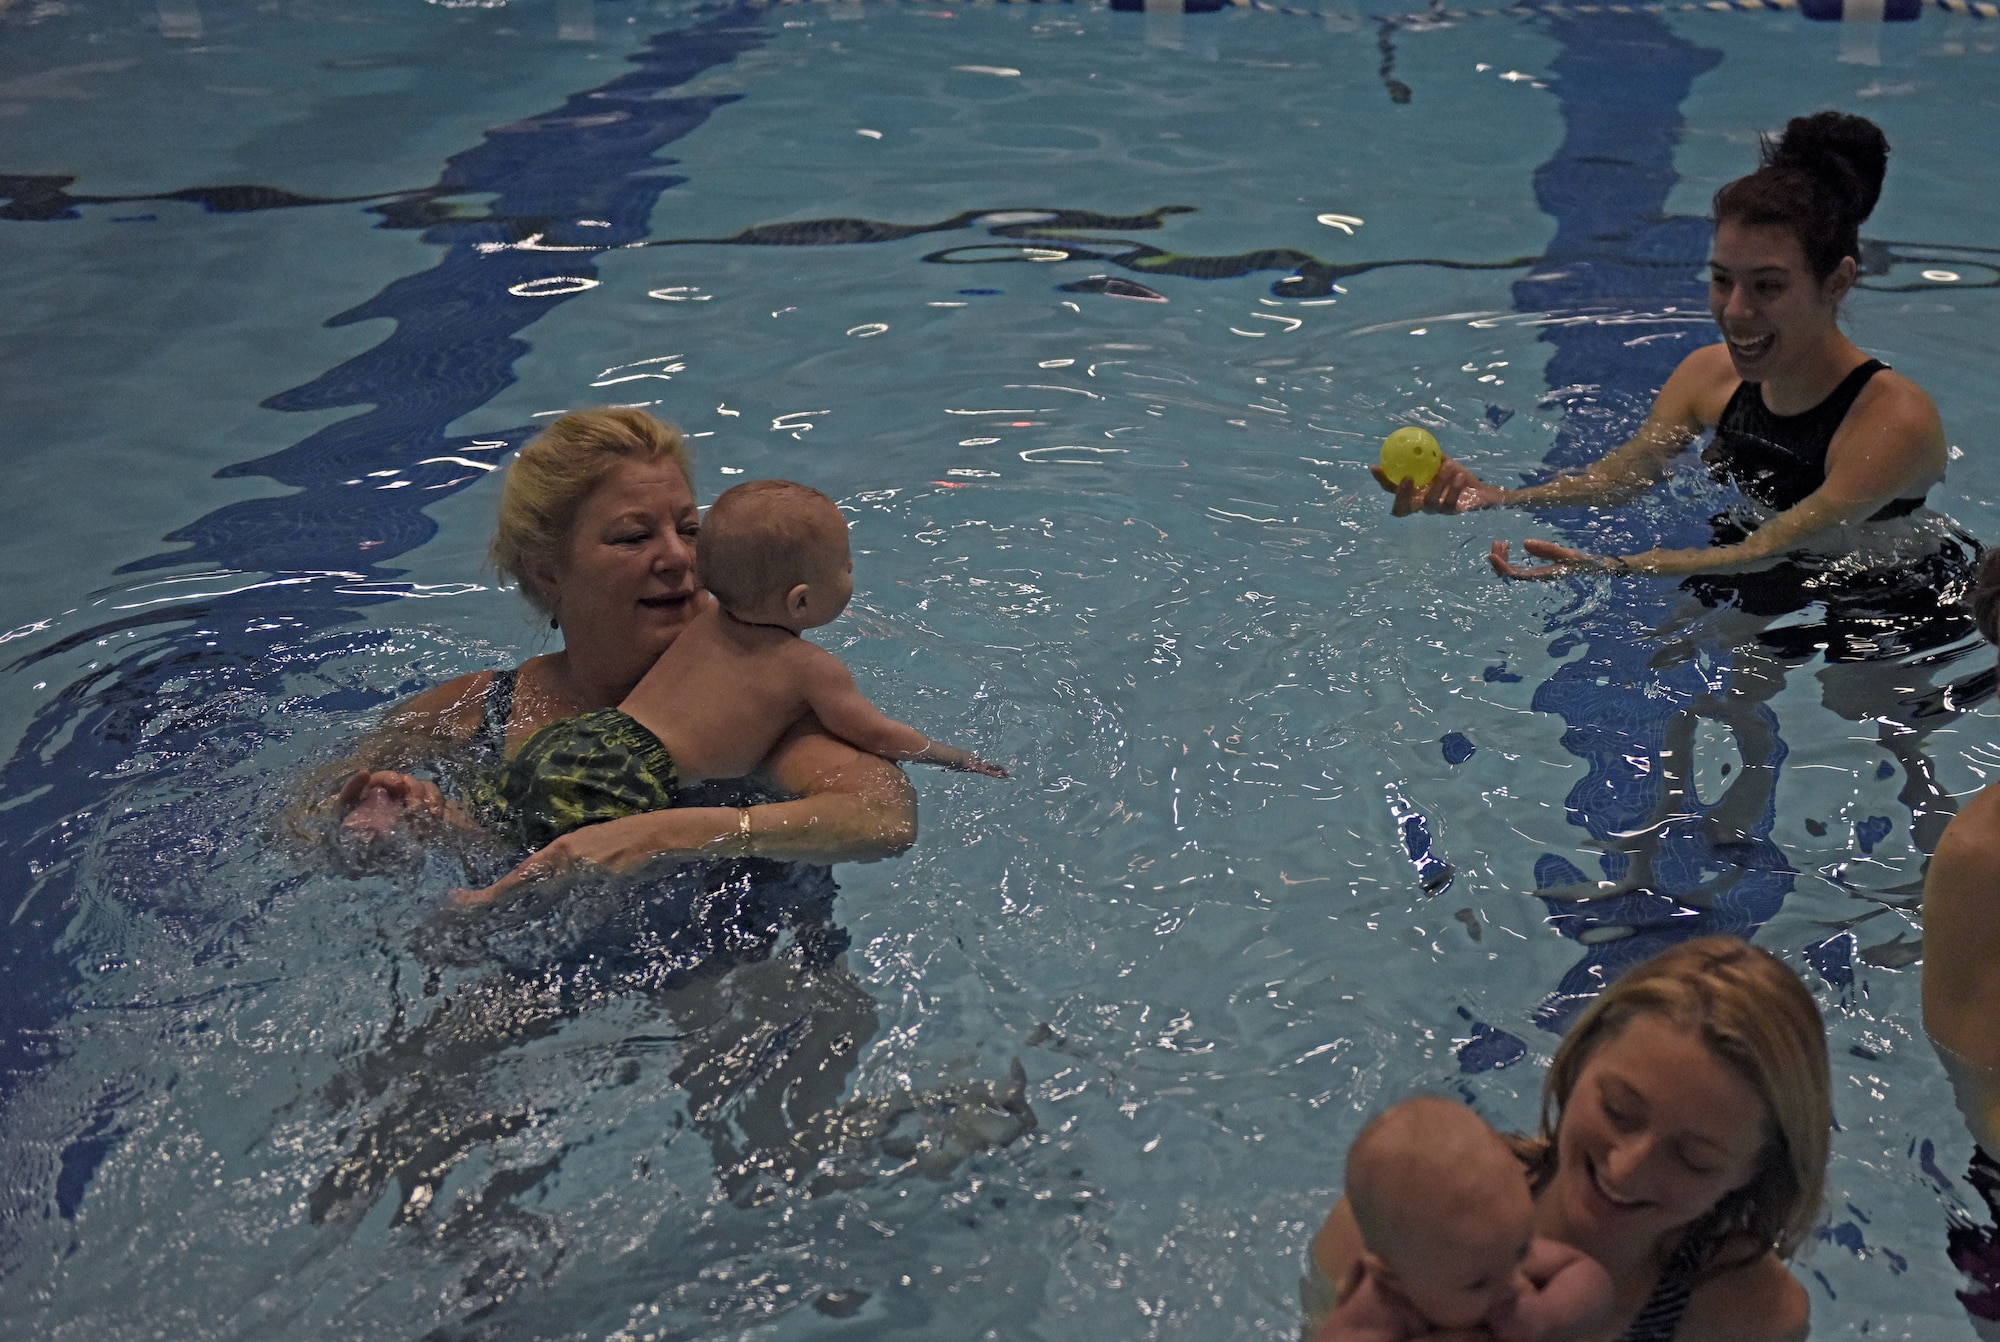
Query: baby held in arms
774	556
1451	1251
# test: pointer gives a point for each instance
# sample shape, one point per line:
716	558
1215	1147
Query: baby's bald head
1429	1175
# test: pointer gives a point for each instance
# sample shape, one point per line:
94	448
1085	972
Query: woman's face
627	581
1771	307
1656	1131
1773	312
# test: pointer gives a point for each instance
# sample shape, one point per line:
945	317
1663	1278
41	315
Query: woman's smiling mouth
1611	1199
1750	350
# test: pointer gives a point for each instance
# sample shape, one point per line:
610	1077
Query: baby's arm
845	711
1567	1295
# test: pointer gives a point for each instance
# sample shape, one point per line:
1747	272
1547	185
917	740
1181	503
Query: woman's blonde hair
548	481
1754	1015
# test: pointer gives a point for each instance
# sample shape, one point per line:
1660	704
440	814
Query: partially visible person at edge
1962	994
1821	436
597	525
1683	1145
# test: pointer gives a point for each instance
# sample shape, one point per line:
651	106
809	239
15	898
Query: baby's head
774	552
1444	1209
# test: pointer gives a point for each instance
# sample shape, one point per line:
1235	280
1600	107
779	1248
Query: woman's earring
554	623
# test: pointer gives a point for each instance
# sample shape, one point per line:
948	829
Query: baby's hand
1567	1295
951	757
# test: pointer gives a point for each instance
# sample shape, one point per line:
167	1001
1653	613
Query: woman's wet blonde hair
1753	1014
548	481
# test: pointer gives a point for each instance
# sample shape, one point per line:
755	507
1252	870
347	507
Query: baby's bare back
721	697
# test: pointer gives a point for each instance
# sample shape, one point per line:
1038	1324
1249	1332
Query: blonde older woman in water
1683	1145
598	525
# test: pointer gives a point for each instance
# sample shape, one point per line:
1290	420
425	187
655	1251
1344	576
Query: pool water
1091	321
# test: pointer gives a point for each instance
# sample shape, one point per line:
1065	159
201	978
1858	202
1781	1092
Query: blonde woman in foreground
1683	1145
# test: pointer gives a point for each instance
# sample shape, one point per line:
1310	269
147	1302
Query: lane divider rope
1975	9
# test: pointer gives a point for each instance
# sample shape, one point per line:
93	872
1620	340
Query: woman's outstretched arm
851	807
1686	406
1896	446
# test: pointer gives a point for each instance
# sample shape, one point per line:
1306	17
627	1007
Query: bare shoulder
1699	389
1337	1247
1974	833
1960	889
814	664
1893	402
1759	1302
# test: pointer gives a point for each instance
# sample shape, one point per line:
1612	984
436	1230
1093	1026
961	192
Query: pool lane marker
1834	11
1849	11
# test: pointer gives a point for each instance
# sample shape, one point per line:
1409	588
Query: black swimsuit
1660	1318
1887	611
1779	460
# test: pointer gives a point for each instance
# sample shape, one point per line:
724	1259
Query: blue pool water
1047	297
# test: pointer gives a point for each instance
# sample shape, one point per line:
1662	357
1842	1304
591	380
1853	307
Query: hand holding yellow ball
1411	454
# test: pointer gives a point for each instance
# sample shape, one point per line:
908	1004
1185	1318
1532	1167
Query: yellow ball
1411	454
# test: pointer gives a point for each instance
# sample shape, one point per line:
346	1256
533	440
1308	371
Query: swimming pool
1239	891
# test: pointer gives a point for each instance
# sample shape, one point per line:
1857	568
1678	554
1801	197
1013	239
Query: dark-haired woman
1831	451
1962	995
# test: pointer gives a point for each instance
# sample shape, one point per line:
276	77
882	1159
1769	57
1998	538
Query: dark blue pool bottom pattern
1620	81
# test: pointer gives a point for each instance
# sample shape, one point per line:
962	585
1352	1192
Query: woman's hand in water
1452	490
1563	561
373	803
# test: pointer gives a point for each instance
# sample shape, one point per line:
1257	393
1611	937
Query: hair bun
1846	154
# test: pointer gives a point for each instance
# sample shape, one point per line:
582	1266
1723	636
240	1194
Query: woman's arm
1769	543
1895	444
1962	953
371	785
1686	405
852	807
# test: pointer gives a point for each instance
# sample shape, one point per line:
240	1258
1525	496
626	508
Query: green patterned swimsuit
579	771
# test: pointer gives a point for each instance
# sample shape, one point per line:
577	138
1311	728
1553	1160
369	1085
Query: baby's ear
798	600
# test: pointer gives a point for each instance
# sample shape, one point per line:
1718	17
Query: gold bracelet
743	829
